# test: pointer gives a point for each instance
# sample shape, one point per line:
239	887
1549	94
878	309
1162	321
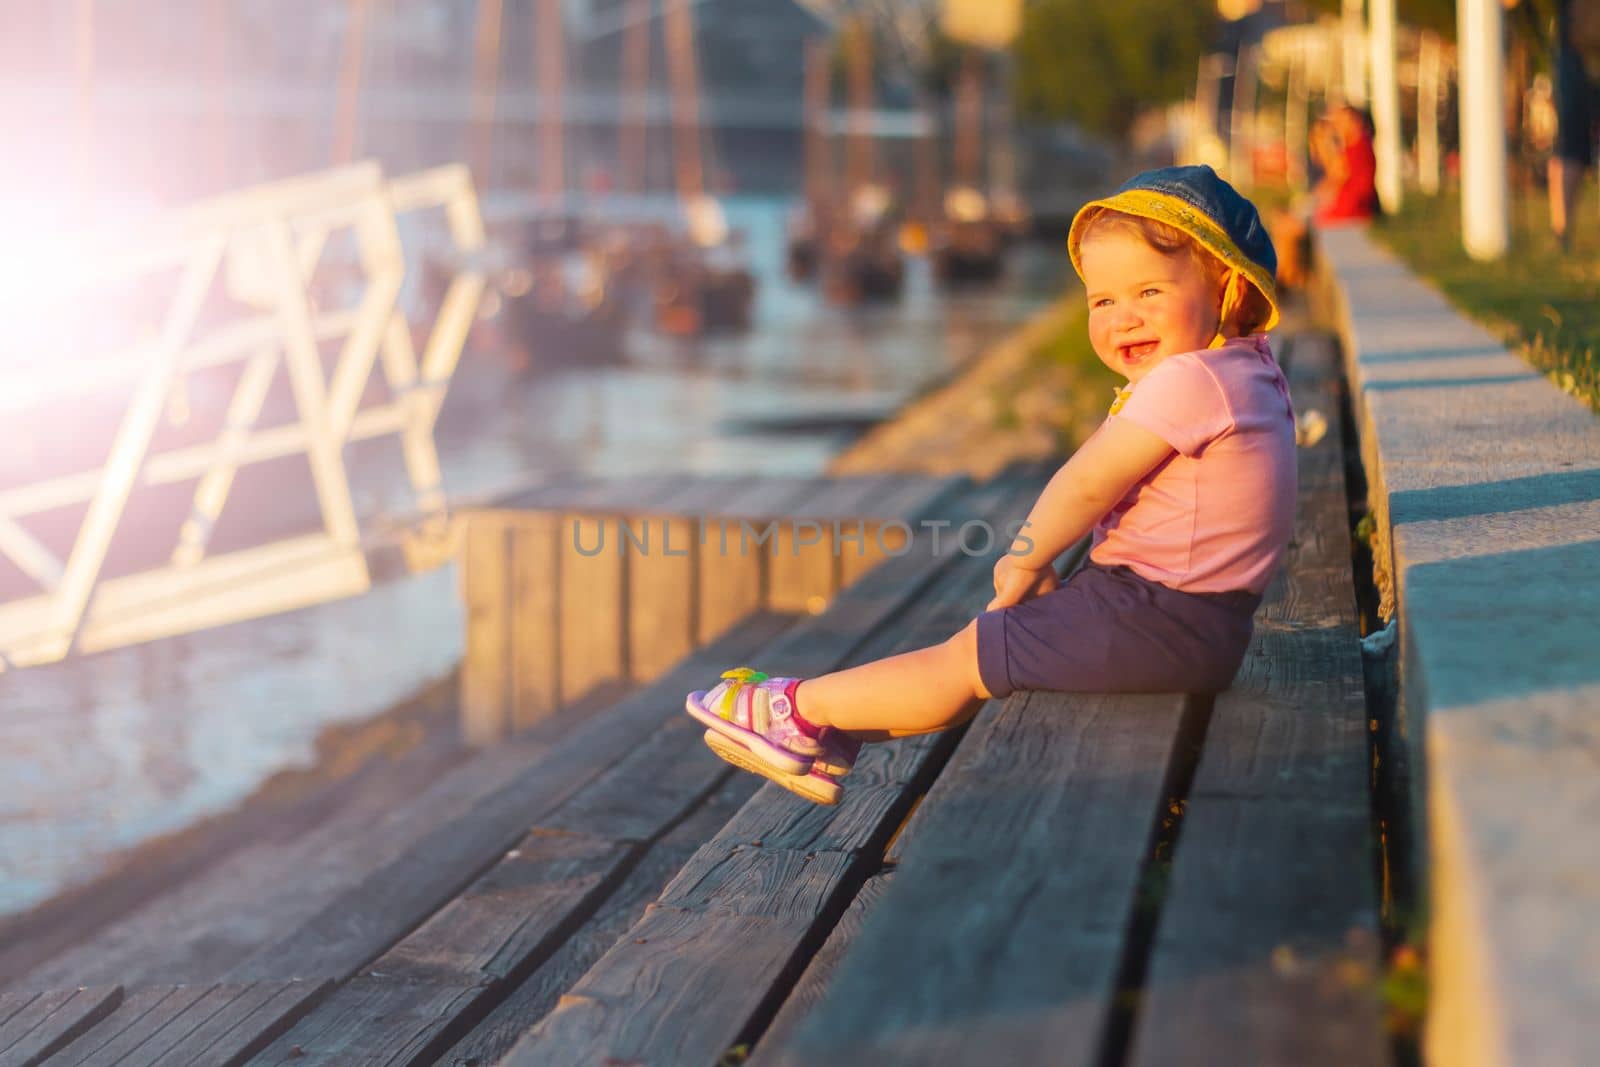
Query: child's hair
1253	310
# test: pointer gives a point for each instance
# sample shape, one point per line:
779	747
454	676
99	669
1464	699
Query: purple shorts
1107	630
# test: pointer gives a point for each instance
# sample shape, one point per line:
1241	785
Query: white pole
1385	103
1296	106
1429	60
1353	47
1241	125
1203	133
1485	215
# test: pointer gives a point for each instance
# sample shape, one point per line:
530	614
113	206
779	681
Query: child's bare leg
918	692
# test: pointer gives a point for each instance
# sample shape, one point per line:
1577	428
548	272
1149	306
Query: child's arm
1090	484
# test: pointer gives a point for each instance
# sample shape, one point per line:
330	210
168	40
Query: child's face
1145	305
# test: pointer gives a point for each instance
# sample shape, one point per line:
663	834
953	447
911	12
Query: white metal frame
266	244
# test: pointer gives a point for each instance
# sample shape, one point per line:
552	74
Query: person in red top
1345	195
1349	191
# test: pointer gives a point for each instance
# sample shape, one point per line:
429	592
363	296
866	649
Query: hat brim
1181	215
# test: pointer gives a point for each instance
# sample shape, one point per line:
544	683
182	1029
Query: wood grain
818	977
661	597
775	902
1267	950
697	973
1025	858
367	917
535	641
536	995
521	908
593	598
486	665
411	1014
35	1026
735	564
207	1026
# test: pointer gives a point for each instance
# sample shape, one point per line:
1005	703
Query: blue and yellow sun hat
1208	209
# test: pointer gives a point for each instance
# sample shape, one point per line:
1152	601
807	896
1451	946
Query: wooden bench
1484	486
1017	906
1074	879
1212	860
329	923
577	589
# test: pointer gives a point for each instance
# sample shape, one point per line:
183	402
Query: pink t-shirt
1216	515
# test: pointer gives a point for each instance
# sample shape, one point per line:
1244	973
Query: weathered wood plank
411	1034
534	641
774	901
661	597
1264	953
593	600
879	791
486	666
196	930
1032	844
884	533
520	908
772	882
1293	726
238	1022
1267	950
369	916
35	1026
805	563
536	995
802	566
513	918
676	962
736	560
537	594
914	496
144	1014
667	773
214	1026
1314	587
668	591
818	977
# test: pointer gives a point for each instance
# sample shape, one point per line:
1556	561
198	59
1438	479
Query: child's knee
963	648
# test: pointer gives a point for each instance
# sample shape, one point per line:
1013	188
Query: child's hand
1014	583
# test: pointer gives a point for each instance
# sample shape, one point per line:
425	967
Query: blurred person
1349	191
1345	194
1188	488
1577	98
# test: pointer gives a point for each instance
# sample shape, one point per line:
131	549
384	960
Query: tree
1099	64
1528	19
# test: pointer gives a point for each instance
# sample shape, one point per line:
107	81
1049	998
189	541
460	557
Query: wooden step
723	937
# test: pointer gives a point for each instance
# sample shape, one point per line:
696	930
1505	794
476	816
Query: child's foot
839	753
816	785
757	713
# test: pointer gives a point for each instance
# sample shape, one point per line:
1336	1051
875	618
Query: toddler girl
1188	487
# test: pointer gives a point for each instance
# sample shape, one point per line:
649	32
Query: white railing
262	248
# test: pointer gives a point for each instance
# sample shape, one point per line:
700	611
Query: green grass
1542	303
1071	348
1065	388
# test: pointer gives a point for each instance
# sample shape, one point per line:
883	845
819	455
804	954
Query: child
1188	486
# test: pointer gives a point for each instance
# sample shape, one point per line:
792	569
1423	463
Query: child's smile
1145	304
1134	351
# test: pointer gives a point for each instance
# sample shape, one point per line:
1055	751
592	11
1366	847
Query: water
102	753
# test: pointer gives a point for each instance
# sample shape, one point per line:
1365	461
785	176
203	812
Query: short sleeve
1181	403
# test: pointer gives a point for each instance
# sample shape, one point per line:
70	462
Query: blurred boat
969	241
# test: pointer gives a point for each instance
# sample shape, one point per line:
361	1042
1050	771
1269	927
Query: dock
1072	879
